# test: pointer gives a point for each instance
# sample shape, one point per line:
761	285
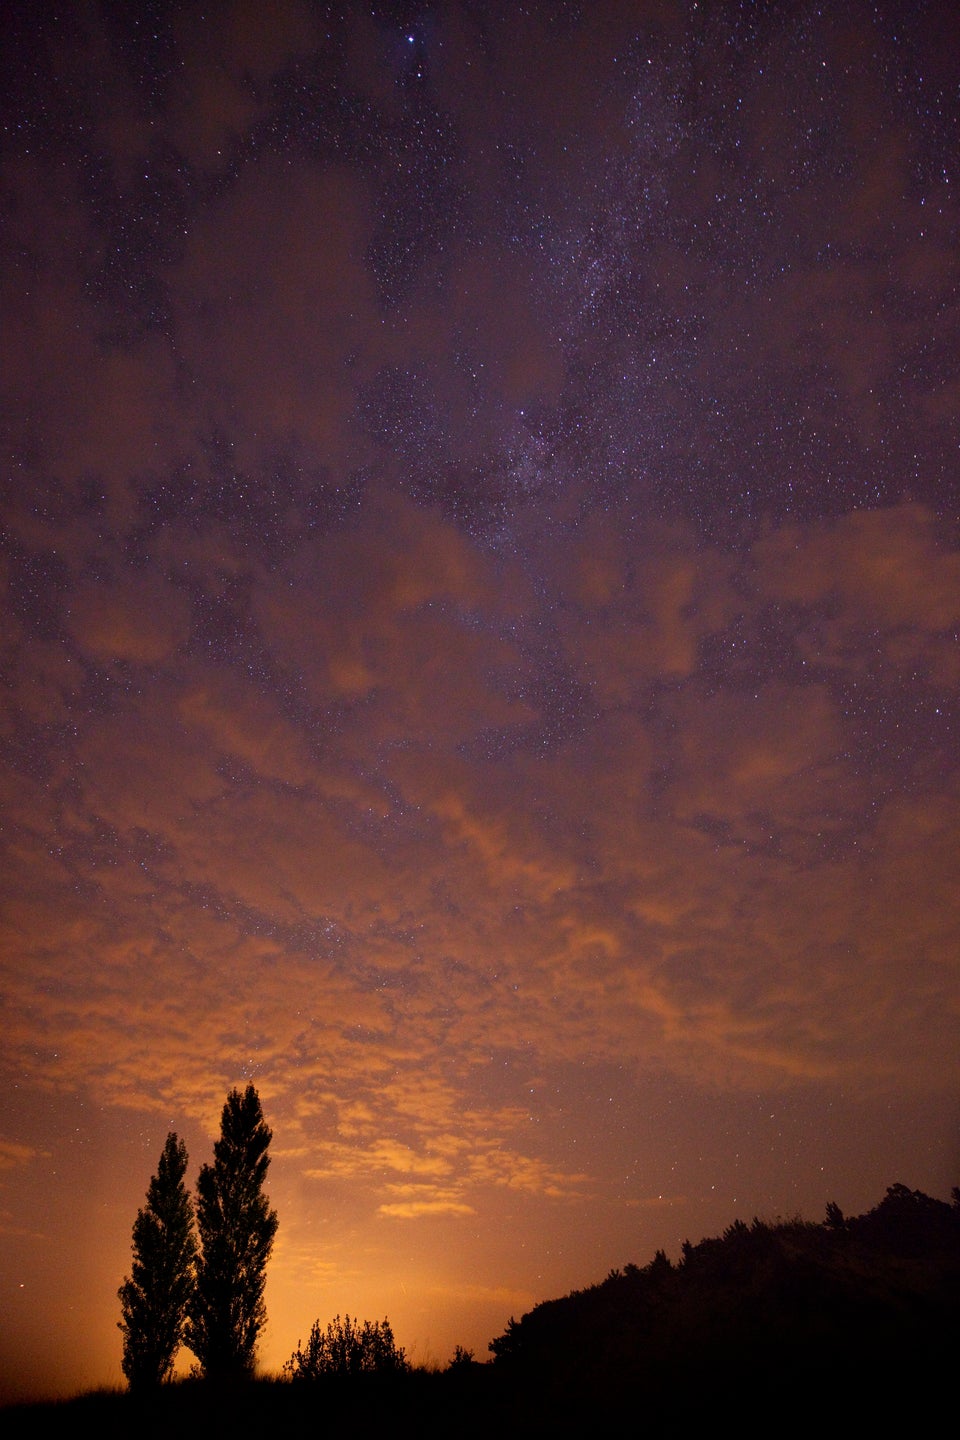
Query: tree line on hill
866	1308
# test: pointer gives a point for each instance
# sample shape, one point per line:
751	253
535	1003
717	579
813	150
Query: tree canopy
154	1298
236	1228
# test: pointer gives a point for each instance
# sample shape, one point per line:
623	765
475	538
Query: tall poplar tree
154	1298
236	1226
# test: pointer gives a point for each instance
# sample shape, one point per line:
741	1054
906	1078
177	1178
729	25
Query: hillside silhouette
849	1322
859	1314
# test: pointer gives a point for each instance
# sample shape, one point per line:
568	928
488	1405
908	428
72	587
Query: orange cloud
14	1154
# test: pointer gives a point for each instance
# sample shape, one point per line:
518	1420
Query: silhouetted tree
154	1299
237	1227
346	1347
835	1218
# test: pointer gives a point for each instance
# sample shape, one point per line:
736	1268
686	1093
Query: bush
346	1347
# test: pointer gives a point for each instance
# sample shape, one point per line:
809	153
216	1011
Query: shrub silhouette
346	1347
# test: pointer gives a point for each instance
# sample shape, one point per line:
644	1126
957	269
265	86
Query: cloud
250	727
770	754
644	603
277	309
228	55
139	620
417	1209
885	571
396	629
377	1156
346	893
494	1166
13	1154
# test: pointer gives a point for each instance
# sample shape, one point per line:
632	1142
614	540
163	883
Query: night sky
480	586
